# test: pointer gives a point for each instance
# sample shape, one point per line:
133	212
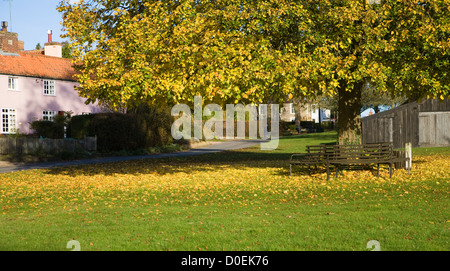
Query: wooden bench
315	155
347	155
363	155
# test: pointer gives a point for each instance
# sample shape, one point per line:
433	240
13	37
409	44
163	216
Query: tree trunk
298	106
349	116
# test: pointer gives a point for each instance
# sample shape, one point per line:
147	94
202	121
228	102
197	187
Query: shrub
155	126
114	131
48	129
78	126
143	128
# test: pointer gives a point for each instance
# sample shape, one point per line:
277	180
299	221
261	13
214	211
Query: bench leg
378	170
290	170
337	171
390	170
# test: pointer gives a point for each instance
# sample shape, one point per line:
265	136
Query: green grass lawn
236	200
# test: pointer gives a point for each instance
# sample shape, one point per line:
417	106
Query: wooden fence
434	129
423	124
24	145
398	126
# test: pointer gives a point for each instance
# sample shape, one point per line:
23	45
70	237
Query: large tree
165	52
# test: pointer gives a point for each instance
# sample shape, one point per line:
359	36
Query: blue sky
32	19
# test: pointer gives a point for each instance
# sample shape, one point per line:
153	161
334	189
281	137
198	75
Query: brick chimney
21	46
4	26
52	48
9	42
49	36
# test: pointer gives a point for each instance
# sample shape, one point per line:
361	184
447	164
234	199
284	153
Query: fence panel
434	129
23	145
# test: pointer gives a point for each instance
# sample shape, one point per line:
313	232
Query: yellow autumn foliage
196	183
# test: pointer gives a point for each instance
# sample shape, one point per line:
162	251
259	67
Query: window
49	87
292	109
8	121
48	115
12	83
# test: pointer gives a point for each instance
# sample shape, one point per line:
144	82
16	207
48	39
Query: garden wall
24	145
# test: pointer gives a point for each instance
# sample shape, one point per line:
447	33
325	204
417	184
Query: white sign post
408	155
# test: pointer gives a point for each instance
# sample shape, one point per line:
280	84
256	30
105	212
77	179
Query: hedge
116	131
48	129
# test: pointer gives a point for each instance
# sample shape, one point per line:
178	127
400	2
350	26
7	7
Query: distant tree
373	98
38	46
66	51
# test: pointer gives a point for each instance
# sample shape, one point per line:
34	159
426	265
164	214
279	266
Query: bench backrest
382	151
379	151
320	148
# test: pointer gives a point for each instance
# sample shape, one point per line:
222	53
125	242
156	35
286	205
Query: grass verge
236	200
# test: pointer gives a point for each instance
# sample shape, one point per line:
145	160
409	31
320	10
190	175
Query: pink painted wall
29	100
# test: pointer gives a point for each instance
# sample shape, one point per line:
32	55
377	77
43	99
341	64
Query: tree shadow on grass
214	162
192	162
186	164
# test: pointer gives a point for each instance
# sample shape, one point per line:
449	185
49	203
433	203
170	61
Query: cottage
309	112
35	84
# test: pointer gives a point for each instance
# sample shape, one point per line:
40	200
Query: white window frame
49	115
13	83
49	87
8	121
292	110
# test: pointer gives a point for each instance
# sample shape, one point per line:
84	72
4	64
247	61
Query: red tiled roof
36	65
